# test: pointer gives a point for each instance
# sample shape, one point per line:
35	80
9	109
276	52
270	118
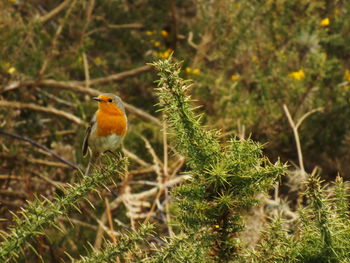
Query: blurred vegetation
246	59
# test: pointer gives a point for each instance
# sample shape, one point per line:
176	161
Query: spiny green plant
341	198
225	179
322	233
42	213
275	245
177	249
326	230
125	243
322	213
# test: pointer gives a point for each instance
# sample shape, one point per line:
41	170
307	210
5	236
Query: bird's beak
97	99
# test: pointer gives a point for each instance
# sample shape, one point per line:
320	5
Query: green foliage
320	235
262	54
126	243
41	214
322	212
179	248
275	245
201	146
224	179
247	59
341	198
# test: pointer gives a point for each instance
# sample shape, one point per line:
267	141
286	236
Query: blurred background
246	60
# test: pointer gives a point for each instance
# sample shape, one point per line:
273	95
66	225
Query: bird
107	128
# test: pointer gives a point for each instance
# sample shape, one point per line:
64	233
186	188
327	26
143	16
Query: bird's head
110	103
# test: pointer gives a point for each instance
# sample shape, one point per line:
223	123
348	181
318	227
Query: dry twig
296	133
127	26
49	110
54	12
52	52
134	196
79	86
55	155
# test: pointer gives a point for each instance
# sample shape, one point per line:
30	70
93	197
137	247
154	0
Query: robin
107	128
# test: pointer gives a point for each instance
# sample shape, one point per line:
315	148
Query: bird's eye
109	100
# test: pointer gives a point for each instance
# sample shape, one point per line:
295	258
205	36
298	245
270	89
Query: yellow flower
166	53
196	71
100	61
149	33
297	75
11	70
325	22
347	75
164	33
217	226
235	77
156	43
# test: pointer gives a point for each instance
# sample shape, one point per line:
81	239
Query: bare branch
54	12
295	128
136	158
127	26
307	115
190	40
296	136
46	163
110	221
122	75
79	86
55	155
52	52
57	99
49	110
86	71
142	114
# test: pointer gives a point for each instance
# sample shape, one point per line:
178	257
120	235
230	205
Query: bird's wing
87	135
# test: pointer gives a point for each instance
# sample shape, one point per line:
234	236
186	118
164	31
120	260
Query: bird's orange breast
108	124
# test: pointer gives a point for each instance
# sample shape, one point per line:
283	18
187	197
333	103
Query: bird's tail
92	162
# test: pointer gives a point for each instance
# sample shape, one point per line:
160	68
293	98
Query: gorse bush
224	179
321	234
209	206
260	55
248	56
41	214
201	177
124	250
224	183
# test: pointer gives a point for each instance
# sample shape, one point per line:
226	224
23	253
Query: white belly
104	143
